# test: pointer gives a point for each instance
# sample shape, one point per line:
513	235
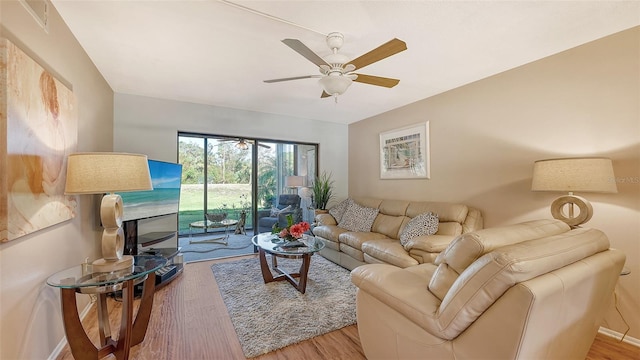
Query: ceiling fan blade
303	50
385	50
264	146
376	80
324	94
293	78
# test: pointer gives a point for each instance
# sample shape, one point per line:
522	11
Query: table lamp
294	181
108	172
573	175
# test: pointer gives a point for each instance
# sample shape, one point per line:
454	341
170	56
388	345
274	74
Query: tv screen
162	200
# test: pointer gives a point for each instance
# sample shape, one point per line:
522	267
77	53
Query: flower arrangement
292	231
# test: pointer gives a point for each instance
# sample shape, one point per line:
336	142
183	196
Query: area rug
270	316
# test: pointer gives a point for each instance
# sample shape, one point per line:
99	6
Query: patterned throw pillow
275	211
423	224
338	211
358	218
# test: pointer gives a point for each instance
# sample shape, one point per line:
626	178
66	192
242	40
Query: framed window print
404	153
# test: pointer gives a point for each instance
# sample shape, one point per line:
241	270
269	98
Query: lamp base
584	207
105	266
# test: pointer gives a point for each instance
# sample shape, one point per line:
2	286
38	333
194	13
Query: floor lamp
573	175
108	173
298	182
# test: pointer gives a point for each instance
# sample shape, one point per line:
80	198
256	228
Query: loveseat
535	290
378	225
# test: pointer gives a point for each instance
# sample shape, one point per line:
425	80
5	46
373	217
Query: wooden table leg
268	277
304	270
81	346
124	339
144	310
264	266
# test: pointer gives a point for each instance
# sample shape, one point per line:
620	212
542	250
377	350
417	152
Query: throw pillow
338	211
275	211
358	218
423	224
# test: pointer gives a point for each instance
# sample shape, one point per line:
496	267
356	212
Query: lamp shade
294	181
101	172
574	174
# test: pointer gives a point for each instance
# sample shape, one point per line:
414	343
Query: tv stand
152	242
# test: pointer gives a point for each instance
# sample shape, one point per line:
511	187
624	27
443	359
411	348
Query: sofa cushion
358	218
329	232
356	239
389	251
429	243
450	228
388	225
338	210
394	207
446	211
354	253
423	224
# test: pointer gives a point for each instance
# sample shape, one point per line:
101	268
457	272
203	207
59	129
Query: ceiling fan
337	71
243	144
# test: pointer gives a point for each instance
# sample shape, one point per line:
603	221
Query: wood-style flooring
190	321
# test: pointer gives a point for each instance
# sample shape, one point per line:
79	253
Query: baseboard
618	336
56	352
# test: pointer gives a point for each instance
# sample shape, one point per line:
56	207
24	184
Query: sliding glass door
240	177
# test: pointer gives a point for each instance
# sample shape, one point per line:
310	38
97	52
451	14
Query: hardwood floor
190	321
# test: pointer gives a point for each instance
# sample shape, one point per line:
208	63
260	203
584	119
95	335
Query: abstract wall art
39	130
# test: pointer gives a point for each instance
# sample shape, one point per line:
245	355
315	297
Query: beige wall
30	319
485	137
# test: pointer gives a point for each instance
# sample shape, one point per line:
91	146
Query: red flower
298	229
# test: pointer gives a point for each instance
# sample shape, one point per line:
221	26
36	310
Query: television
162	200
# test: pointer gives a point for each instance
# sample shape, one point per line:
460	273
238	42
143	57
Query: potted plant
322	192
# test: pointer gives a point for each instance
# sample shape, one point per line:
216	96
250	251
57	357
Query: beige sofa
381	244
536	290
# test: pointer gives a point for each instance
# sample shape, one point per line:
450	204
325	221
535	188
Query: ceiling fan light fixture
242	145
335	84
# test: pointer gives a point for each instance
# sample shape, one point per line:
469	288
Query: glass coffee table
268	243
207	224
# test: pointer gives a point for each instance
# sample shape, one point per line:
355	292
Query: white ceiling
209	52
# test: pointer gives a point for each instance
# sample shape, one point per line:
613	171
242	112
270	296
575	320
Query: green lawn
218	195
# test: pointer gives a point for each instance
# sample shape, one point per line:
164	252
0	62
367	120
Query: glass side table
80	279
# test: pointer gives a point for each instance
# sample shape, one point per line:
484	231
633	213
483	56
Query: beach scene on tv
163	199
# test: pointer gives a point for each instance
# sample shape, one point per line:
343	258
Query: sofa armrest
326	219
429	243
404	291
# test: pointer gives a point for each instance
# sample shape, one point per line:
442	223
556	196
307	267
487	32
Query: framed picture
404	153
